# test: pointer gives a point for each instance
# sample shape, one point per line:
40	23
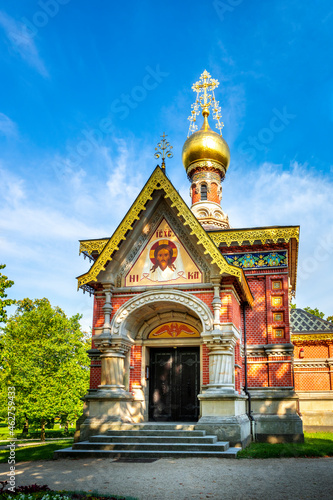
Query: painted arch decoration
173	330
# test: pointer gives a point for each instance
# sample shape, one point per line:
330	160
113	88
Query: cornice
299	338
313	363
90	246
264	235
259	351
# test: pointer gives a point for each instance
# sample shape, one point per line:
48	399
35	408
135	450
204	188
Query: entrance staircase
150	441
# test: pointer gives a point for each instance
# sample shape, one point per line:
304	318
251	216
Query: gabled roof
303	322
159	181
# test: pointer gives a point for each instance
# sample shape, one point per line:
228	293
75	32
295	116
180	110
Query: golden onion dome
206	148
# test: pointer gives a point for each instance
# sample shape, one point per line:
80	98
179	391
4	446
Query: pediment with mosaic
164	260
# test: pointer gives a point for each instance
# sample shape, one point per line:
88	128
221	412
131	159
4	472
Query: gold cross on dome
163	150
204	88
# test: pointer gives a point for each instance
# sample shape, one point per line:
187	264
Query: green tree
4	302
315	312
43	355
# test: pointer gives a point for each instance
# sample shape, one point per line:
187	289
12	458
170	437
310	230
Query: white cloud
7	127
22	41
271	195
42	219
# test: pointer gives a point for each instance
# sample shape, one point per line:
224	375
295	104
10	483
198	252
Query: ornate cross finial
163	150
204	88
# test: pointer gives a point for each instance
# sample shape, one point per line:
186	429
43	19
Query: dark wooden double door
174	384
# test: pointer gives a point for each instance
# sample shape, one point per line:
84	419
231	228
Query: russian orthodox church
191	319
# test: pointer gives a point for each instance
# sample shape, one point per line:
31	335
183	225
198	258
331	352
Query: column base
104	407
275	415
219	404
235	429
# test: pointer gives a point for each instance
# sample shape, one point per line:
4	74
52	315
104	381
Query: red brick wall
257	374
238	369
98	315
280	374
205	365
313	351
95	374
135	365
207	298
213	194
312	380
256	317
230	309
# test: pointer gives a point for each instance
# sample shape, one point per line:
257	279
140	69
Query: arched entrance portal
166	328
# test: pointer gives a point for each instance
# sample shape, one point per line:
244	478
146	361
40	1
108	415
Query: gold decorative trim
91	246
263	235
158	180
312	337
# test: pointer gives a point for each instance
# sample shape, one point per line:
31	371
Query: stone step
169	447
156	432
161	426
139	438
143	454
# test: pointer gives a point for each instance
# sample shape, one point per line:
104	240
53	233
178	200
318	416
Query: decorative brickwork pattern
256	317
135	366
98	317
257	374
280	375
312	380
95	374
238	368
205	365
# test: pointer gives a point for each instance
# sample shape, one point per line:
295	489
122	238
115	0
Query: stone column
113	352
217	303
107	308
221	364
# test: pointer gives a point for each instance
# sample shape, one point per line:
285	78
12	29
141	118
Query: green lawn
316	444
56	432
36	452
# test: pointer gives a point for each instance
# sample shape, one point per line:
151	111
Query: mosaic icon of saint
163	262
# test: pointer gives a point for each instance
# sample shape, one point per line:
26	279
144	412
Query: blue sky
89	87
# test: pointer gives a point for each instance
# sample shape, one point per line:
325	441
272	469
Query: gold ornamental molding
263	235
157	181
90	246
315	337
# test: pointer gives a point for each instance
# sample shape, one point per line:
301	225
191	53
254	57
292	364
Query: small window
279	333
277	301
278	316
203	192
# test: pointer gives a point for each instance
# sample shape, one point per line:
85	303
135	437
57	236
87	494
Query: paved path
182	479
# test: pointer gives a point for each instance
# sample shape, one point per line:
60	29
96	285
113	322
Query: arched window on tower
203	192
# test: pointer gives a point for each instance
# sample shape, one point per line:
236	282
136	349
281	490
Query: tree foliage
315	312
4	302
43	355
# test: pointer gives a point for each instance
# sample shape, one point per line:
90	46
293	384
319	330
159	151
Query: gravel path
180	479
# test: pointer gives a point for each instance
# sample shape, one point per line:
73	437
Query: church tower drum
206	158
